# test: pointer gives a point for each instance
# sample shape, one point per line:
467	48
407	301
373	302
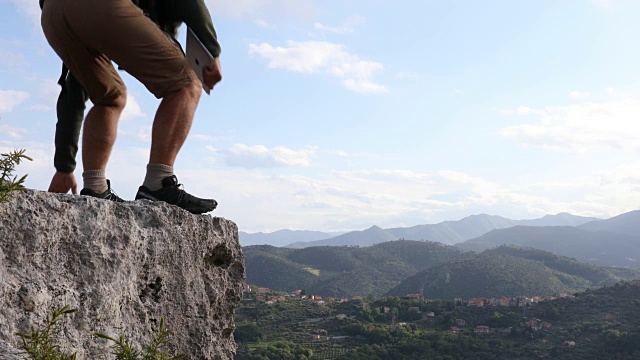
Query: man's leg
99	135
172	123
170	129
63	21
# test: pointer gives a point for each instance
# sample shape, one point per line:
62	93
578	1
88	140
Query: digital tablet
199	57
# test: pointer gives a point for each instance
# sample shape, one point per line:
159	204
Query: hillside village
266	297
581	325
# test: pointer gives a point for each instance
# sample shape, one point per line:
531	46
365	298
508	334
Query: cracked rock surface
123	266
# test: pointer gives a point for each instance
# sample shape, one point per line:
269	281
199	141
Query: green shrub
40	344
8	163
156	350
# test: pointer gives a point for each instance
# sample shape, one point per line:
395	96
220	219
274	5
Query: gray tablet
198	55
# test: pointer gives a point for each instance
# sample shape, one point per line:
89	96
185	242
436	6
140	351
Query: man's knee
116	103
190	92
119	102
194	89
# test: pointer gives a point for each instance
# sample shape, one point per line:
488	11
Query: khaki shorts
88	34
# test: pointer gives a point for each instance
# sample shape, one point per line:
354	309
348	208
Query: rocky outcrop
123	266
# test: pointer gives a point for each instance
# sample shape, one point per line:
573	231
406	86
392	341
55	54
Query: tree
8	163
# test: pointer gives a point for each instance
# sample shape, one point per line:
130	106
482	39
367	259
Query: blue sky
338	115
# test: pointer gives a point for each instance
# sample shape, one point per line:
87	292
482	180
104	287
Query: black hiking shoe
107	195
172	193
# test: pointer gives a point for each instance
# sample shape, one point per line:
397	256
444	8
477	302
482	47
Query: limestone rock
123	266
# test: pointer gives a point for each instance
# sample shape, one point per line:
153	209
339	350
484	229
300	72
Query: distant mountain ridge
627	224
612	242
283	237
447	232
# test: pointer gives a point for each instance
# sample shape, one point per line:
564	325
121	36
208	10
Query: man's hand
63	182
212	74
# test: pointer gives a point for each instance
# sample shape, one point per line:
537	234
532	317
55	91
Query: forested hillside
509	271
343	271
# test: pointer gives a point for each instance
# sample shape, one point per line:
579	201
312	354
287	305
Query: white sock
155	174
95	180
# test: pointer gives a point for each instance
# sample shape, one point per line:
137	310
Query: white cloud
132	110
521	111
11	98
49	90
202	137
259	9
349	200
30	9
323	57
47	95
343	153
407	75
10	62
259	156
139	133
346	27
365	87
352	200
41	107
12	132
579	94
580	127
604	3
337	30
263	24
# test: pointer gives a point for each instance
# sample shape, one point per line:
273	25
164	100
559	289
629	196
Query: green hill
509	271
343	271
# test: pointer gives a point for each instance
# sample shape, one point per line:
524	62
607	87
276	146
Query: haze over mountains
447	232
283	237
540	256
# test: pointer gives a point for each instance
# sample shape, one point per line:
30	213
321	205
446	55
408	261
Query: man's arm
195	14
70	112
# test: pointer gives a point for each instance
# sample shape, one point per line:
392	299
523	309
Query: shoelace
180	193
113	196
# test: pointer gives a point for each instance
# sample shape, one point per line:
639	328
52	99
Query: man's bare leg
172	123
170	129
99	135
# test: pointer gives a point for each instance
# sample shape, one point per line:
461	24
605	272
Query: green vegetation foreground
598	324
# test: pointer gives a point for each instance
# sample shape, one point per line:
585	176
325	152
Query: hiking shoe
107	195
172	193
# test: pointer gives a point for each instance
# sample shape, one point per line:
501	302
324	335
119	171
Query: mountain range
437	270
283	237
611	242
447	232
563	253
